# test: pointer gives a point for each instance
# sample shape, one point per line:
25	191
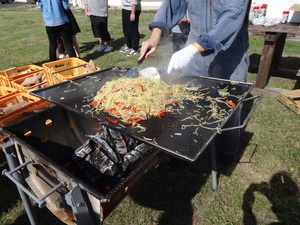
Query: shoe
102	48
61	56
108	49
127	49
133	52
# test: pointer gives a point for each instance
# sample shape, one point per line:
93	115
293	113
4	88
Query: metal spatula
133	72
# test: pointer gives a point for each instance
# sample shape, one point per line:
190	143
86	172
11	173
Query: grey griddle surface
173	133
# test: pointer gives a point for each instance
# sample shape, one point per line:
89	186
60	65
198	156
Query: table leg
278	50
213	166
272	40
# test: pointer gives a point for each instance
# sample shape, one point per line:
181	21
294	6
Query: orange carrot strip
94	104
133	121
116	90
111	120
229	102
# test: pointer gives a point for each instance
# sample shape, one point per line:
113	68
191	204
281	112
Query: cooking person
217	46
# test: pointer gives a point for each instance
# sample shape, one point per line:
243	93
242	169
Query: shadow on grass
282	192
173	191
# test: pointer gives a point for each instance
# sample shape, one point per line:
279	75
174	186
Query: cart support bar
40	201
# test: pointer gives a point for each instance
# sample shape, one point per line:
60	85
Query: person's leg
105	34
76	45
60	46
53	35
66	35
134	30
125	25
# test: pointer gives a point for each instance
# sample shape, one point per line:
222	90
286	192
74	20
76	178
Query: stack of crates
15	102
67	69
7	76
17	83
30	82
14	106
7	91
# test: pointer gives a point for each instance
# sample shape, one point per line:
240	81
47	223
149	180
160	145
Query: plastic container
256	12
38	80
285	16
6	76
263	10
67	69
16	103
28	111
7	91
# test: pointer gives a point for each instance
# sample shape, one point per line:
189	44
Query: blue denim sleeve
231	18
66	4
169	15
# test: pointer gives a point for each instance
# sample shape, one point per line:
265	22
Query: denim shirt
220	26
54	12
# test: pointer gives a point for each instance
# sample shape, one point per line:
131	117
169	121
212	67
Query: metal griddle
171	133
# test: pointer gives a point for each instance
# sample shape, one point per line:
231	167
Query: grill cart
80	165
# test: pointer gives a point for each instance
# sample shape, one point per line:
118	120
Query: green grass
263	185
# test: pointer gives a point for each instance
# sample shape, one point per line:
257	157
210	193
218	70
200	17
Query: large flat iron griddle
171	133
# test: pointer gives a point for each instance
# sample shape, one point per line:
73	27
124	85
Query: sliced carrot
112	121
173	102
98	128
118	103
133	121
142	87
117	90
94	104
232	104
136	110
116	112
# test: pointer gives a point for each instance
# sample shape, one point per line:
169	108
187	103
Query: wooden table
274	40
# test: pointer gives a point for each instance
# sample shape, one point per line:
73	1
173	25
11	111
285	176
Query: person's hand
150	46
182	58
132	17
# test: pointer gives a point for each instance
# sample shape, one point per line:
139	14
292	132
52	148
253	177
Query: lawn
262	187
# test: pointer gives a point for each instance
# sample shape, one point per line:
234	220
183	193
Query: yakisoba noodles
138	99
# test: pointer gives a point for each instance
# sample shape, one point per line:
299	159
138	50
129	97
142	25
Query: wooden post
270	42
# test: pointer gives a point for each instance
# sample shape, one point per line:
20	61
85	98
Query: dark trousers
100	27
65	32
131	29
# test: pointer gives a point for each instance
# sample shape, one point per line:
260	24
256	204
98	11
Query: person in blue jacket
217	46
57	25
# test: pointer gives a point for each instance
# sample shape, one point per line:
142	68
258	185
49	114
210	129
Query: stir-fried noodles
133	100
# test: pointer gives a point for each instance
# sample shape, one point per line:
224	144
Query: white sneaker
133	52
127	49
61	56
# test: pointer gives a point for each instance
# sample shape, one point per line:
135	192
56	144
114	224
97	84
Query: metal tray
172	133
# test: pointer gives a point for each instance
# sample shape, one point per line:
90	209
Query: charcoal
114	156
